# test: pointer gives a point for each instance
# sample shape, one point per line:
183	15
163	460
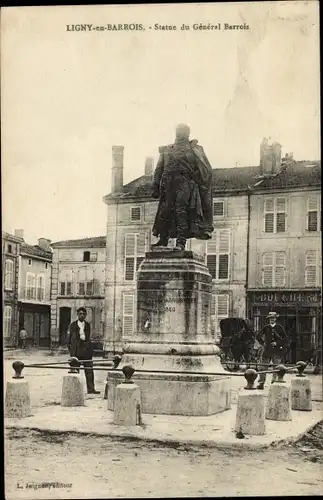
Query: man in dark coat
274	342
183	184
80	346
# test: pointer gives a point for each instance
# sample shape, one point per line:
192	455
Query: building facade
10	273
285	258
35	269
78	280
131	211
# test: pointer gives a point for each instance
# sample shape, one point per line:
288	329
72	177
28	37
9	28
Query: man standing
183	184
274	342
80	346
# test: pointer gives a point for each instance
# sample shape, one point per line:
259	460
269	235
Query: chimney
276	157
44	244
149	165
117	169
270	157
19	233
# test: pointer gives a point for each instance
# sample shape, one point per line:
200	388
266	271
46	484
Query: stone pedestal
17	401
174	291
72	391
279	402
301	394
250	418
126	405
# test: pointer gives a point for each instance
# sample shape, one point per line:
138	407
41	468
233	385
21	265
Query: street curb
166	441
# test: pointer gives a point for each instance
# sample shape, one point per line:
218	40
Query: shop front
300	313
35	319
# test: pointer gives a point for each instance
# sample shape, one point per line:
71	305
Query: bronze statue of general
183	184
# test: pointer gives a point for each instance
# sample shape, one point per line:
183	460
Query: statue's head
182	131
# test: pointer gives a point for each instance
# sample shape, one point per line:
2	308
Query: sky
68	96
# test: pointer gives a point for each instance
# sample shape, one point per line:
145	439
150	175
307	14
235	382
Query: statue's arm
157	176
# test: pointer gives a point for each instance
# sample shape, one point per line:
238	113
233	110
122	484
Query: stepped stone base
176	393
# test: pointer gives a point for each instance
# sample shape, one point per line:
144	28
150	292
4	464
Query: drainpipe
115	279
247	253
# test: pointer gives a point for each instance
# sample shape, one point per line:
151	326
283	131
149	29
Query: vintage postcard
161	250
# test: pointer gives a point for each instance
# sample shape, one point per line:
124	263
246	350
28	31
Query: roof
237	179
295	174
94	242
35	251
11	237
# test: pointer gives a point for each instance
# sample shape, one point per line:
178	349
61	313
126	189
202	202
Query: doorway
64	323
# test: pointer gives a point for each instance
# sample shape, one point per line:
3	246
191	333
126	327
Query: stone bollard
72	389
17	401
127	406
301	392
116	361
250	418
279	398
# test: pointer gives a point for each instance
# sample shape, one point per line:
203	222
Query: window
135	247
218	208
29	262
8	281
313	214
275	215
219	310
46	265
85	281
9	248
135	214
65	282
7	316
30	286
128	314
40	290
86	256
313	267
93	256
217	254
274	269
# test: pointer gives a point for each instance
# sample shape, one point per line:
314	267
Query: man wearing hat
274	342
80	347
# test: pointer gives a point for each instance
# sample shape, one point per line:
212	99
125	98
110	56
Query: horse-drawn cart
237	344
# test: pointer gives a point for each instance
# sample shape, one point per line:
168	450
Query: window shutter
269	205
7	321
135	213
130	249
281	215
281	205
280	268
218	208
311	268
211	260
128	314
130	244
267	271
224	241
312	213
141	244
